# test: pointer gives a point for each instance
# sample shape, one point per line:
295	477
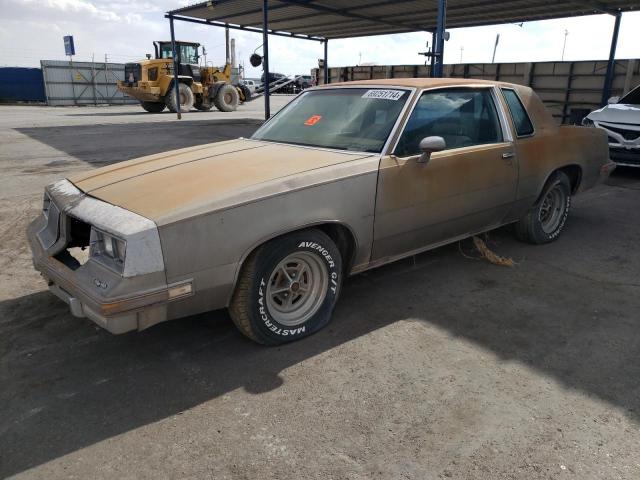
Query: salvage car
345	178
621	120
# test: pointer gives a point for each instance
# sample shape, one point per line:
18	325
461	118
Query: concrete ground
442	366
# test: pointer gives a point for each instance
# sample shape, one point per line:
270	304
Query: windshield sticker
384	94
312	120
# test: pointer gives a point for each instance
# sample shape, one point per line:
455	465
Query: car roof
426	82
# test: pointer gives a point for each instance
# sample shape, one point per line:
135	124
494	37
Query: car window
357	119
518	114
463	117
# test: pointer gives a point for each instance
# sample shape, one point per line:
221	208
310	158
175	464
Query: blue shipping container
21	85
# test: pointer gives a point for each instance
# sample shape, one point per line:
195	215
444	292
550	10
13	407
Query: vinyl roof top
320	19
416	82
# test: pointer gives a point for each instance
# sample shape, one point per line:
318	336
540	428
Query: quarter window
519	115
463	117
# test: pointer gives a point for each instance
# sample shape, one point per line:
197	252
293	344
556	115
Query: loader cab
187	57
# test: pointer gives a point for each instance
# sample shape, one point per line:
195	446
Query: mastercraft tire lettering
291	285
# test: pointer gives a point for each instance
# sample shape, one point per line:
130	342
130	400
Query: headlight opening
108	249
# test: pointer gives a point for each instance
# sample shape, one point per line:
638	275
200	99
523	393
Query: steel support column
175	67
326	65
611	65
432	72
265	57
440	29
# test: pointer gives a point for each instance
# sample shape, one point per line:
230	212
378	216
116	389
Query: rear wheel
186	98
287	288
544	222
227	98
153	107
246	93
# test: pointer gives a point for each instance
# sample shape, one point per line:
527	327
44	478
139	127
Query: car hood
617	113
174	185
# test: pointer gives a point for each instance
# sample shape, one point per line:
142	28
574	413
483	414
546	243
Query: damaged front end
104	261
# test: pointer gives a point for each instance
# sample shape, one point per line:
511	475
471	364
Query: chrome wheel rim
552	209
297	288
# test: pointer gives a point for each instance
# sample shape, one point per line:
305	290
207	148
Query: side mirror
428	145
613	100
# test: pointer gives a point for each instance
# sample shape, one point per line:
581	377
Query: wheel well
344	240
339	233
574	172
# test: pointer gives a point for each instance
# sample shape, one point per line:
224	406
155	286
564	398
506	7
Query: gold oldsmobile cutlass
345	178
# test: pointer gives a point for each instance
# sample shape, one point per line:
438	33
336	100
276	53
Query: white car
621	120
251	85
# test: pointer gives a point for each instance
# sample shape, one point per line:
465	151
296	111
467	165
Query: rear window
519	115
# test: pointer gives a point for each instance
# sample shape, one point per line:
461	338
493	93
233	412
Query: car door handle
508	155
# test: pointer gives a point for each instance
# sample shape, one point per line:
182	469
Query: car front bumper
625	157
131	299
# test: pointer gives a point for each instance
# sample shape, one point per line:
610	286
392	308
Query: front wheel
227	98
287	288
544	222
186	98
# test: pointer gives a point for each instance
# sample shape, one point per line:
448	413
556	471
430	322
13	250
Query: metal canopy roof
328	19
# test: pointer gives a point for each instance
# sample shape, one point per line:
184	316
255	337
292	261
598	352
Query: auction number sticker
384	94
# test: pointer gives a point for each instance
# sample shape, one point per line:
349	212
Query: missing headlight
107	249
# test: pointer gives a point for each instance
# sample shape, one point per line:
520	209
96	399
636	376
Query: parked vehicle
345	178
304	81
621	120
279	83
250	84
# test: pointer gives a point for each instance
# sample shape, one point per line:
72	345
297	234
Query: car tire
227	98
186	98
287	288
544	222
153	107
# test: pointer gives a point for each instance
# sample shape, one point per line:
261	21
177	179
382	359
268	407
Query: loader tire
153	107
227	98
246	93
186	98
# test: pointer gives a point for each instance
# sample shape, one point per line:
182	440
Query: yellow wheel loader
152	81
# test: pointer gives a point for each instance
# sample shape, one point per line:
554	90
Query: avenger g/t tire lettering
287	288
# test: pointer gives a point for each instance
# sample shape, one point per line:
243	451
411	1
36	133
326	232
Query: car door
464	189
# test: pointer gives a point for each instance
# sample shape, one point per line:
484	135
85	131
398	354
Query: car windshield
358	119
631	98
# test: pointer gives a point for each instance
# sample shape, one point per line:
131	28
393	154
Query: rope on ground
490	255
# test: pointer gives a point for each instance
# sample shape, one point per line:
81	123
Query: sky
124	30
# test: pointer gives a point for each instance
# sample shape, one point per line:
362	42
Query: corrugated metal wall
83	83
569	89
21	85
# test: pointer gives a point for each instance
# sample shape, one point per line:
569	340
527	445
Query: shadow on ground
101	113
104	144
568	310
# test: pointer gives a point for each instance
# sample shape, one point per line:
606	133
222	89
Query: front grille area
626	134
625	156
76	251
132	72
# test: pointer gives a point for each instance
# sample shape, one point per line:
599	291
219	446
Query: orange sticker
312	120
